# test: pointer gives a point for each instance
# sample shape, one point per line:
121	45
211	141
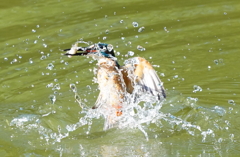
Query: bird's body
117	83
111	86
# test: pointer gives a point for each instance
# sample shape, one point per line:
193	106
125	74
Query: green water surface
194	45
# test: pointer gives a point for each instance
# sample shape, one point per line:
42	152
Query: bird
117	83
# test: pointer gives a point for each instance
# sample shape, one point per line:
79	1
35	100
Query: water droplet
141	29
135	24
35	41
165	29
157	66
121	21
44	45
34	31
220	60
43	57
30	61
89	87
122	38
220	140
136	36
225	13
197	88
104	38
140	48
176	76
14	60
49	85
52	98
56	87
37	26
231	102
5	58
77	97
73	87
50	66
107	31
130	53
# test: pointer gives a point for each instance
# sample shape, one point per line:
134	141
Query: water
193	46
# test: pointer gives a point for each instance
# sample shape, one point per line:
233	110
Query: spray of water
136	114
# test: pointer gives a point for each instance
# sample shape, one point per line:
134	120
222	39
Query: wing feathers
141	73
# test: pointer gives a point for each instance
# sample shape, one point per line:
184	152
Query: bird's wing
140	77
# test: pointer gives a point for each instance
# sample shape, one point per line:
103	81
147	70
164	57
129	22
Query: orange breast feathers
111	84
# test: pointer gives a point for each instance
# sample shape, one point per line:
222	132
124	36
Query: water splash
140	114
29	123
205	133
136	115
77	97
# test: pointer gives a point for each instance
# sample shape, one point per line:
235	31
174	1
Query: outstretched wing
140	77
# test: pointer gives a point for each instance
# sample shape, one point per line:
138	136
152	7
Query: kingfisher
117	84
